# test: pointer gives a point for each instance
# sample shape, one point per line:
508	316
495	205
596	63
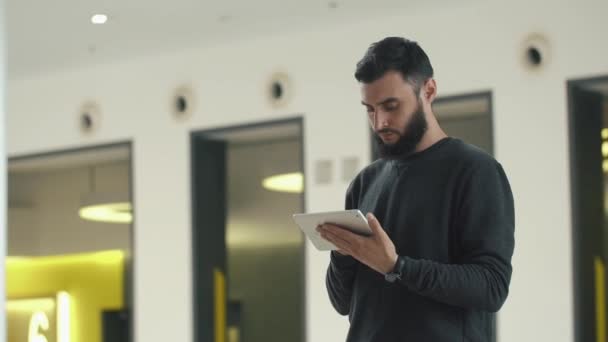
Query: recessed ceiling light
288	182
119	212
105	207
99	19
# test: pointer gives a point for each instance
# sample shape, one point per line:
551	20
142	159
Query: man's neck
433	135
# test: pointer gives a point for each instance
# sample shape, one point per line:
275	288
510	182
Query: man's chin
394	150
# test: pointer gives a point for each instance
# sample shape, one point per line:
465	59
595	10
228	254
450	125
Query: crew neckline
425	152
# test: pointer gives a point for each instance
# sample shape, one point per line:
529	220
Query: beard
413	133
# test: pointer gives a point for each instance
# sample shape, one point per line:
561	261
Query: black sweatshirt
449	212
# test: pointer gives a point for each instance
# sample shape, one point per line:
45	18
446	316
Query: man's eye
391	108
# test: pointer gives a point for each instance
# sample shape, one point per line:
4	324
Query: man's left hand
376	251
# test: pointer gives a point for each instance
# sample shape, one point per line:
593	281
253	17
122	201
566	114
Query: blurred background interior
154	152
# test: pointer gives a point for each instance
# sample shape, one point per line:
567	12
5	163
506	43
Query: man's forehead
385	88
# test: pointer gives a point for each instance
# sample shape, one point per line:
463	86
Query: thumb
374	224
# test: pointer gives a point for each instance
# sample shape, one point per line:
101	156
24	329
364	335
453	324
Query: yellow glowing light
604	133
63	317
105	257
289	182
108	257
605	149
605	165
109	212
29	305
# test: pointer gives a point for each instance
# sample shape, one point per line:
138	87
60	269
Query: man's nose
381	120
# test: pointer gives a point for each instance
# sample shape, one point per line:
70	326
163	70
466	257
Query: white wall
474	47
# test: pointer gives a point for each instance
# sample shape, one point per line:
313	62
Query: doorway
588	126
248	256
467	117
70	242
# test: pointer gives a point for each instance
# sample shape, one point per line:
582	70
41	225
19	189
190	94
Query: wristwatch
395	274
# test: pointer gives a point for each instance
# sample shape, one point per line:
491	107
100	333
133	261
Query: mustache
388	130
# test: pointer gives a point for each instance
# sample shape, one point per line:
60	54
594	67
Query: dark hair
396	54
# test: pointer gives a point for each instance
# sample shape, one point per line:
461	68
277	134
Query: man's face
395	114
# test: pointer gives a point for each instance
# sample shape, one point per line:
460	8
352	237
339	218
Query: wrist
396	273
391	263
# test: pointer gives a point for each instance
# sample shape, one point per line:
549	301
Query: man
438	265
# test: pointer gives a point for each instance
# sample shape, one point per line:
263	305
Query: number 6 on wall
39	321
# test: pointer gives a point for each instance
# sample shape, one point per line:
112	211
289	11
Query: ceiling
257	217
600	85
42	215
70	159
48	36
254	134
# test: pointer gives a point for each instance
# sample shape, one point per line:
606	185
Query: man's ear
429	90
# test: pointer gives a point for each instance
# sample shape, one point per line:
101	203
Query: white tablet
352	220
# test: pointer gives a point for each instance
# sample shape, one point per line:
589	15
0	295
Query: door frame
576	196
197	134
129	269
487	94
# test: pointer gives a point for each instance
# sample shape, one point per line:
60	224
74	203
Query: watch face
396	273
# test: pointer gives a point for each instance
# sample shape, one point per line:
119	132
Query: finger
329	226
337	241
340	232
374	224
332	237
342	252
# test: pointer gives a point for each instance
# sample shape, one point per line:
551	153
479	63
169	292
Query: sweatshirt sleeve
341	274
485	225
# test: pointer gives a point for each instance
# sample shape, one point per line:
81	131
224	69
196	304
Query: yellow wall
94	282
